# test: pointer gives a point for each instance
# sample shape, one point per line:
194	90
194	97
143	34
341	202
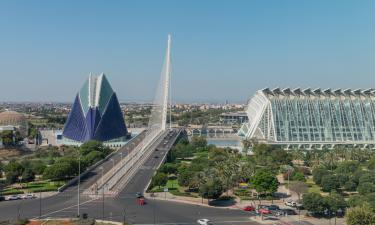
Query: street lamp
121	158
79	182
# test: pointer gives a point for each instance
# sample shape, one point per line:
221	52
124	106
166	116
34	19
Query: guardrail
90	168
129	165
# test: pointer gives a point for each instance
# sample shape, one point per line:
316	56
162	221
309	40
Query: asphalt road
125	204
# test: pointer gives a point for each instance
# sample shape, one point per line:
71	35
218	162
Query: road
154	212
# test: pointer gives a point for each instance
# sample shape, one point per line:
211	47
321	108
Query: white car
11	197
204	222
290	203
28	196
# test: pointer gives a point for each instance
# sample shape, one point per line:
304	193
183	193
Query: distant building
312	118
233	118
12	121
95	115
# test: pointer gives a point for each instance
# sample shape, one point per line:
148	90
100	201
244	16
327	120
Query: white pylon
167	77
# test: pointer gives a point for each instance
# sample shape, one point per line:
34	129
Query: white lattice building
311	118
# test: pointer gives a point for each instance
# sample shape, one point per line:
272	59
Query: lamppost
40	205
121	158
79	183
124	217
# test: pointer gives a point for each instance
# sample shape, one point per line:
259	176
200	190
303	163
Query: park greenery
327	182
48	168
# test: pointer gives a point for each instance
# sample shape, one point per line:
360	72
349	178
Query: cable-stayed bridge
134	154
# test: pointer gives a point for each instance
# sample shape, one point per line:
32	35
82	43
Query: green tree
298	176
93	145
7	137
265	182
160	179
360	215
64	168
13	170
366	188
329	183
335	202
169	168
314	202
212	189
38	167
198	142
318	174
185	176
28	175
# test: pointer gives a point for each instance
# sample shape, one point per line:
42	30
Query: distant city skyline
221	50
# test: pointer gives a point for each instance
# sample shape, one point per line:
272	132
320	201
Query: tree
7	137
335	202
160	179
299	188
198	142
62	169
360	215
28	175
314	202
185	175
12	171
93	145
212	188
38	167
169	168
265	182
366	188
298	176
329	183
318	174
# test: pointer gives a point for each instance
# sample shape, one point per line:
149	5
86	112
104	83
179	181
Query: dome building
12	118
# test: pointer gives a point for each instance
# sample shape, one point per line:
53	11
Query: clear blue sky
222	50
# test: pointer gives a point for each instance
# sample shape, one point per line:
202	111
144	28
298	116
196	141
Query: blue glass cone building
95	114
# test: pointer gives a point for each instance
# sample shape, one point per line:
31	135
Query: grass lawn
201	154
313	188
34	187
43	186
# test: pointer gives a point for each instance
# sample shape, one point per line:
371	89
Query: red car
264	211
249	208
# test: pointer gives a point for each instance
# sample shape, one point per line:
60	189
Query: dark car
288	212
156	157
273	207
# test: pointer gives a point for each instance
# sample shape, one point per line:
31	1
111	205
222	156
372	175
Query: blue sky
222	50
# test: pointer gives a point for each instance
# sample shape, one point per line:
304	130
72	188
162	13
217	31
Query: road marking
187	223
63	209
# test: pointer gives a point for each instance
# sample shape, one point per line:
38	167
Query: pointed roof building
96	113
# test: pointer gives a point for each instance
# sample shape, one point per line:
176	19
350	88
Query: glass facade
312	116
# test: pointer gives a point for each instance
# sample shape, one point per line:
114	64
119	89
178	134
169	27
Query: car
28	196
299	205
249	208
264	211
290	203
139	195
156	157
289	212
273	207
156	150
12	197
204	222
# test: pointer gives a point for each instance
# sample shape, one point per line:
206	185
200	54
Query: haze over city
222	50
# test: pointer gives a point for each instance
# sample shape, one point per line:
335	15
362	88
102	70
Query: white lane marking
215	222
63	209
